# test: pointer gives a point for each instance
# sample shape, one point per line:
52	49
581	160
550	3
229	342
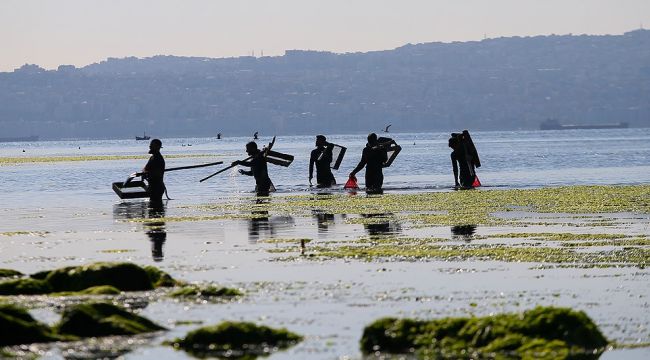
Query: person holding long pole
259	169
154	172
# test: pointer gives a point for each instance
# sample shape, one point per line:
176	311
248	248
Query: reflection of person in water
153	226
381	226
259	169
155	230
154	172
460	163
463	232
373	159
322	157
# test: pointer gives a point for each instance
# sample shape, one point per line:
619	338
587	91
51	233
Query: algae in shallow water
103	319
19	327
101	277
236	339
209	291
546	332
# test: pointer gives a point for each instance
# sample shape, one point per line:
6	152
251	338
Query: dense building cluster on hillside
505	83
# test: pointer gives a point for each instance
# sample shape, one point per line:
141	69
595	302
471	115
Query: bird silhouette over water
255	136
386	129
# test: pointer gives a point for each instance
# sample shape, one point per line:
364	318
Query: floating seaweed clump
89	278
205	292
103	319
540	333
236	339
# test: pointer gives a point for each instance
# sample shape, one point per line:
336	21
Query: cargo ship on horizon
552	124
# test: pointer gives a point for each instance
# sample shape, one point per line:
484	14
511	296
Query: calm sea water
78	219
511	159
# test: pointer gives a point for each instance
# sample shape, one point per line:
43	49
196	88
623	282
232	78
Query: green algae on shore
103	319
543	332
457	207
89	279
236	340
53	159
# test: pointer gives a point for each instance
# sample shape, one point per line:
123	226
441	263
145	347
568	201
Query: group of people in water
374	158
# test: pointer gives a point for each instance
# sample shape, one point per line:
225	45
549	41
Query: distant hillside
505	83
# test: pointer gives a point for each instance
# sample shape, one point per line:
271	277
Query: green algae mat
236	340
540	333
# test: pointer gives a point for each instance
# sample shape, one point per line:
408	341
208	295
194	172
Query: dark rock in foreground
543	332
9	273
18	327
236	339
103	319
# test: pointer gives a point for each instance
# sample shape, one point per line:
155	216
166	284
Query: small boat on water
143	137
552	124
19	139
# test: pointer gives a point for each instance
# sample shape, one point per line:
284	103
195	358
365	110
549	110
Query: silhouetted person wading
461	164
154	172
259	170
373	158
322	157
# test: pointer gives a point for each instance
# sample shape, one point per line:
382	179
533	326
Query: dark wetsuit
322	157
259	171
373	158
155	171
460	162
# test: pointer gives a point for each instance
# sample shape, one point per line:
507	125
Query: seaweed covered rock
94	279
24	286
159	278
543	332
209	291
103	319
18	327
95	290
4	273
123	276
237	339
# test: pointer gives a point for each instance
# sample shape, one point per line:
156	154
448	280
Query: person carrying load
464	160
259	169
373	158
322	157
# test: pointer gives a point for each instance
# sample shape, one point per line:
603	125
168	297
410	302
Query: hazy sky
79	32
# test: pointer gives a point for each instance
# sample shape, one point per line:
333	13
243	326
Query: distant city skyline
81	32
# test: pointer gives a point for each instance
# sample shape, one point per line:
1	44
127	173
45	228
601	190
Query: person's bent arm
362	163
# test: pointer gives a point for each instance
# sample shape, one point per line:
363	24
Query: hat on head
156	142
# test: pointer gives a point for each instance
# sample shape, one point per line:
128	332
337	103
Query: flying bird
386	129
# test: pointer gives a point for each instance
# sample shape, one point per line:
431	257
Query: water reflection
154	227
155	230
463	232
381	224
261	224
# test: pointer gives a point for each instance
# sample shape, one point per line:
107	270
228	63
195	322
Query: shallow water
74	218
